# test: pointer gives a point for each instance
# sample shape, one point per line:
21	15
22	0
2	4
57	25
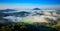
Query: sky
29	4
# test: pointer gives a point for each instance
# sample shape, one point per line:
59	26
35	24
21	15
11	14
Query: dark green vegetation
25	27
57	26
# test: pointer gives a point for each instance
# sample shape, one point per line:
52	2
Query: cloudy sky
23	4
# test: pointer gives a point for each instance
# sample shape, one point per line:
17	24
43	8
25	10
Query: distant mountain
7	10
22	14
5	14
36	9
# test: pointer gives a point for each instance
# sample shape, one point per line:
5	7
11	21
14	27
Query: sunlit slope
32	19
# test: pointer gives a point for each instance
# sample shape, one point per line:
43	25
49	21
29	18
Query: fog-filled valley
30	19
